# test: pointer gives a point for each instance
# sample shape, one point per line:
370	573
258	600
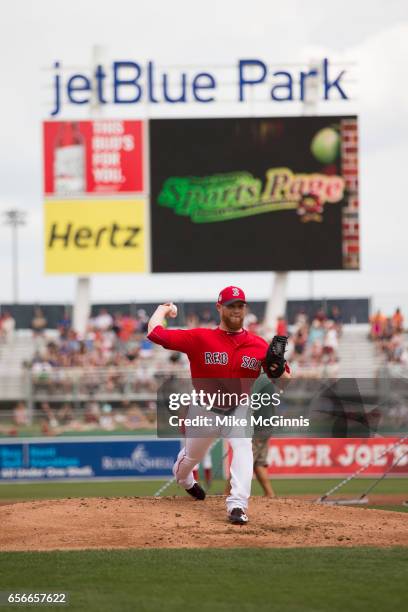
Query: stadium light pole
14	218
82	302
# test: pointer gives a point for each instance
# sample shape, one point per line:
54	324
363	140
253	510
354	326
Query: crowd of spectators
60	418
114	354
314	343
97	361
114	360
388	334
96	416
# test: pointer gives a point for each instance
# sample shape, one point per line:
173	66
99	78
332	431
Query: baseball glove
275	355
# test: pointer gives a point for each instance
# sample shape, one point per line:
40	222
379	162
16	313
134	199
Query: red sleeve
174	339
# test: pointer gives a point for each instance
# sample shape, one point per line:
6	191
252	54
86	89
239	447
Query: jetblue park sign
128	82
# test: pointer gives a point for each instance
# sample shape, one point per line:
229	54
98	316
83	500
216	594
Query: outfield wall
91	458
145	458
336	457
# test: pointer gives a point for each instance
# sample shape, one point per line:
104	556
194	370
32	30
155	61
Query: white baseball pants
241	466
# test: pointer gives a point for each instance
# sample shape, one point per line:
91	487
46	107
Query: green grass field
293	580
141	488
222	580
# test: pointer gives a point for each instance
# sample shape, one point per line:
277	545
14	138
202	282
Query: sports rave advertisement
104	156
248	194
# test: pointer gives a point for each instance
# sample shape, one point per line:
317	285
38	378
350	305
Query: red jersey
214	353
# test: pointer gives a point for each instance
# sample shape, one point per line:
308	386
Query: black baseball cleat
237	516
196	491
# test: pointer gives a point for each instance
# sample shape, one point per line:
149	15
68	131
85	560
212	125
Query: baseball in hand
173	311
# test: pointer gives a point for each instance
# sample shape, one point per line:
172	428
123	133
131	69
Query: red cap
230	295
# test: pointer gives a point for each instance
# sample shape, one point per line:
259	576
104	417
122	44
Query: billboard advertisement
335	457
84	459
248	194
95	236
103	156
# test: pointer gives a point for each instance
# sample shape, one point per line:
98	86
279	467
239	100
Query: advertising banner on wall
95	236
84	459
104	156
331	457
247	194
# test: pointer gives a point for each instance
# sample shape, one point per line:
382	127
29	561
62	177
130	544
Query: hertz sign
91	236
95	212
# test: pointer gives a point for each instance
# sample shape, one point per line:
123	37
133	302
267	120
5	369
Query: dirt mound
180	522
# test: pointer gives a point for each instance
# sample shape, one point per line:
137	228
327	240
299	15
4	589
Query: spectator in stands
71	344
330	342
387	330
251	321
315	352
315	341
20	415
117	322
192	320
316	332
142	321
106	420
150	411
103	321
301	319
143	379
397	321
38	322
114	381
127	327
335	316
146	348
42	374
299	344
65	414
64	324
206	318
132	348
49	420
396	350
281	327
377	324
135	417
92	412
7	327
320	315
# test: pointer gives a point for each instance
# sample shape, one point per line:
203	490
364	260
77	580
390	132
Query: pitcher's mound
180	522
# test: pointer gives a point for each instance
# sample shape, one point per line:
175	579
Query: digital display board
253	194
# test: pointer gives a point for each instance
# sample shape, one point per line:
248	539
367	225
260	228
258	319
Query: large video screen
247	194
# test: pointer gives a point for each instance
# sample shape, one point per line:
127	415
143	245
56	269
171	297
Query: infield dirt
180	522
